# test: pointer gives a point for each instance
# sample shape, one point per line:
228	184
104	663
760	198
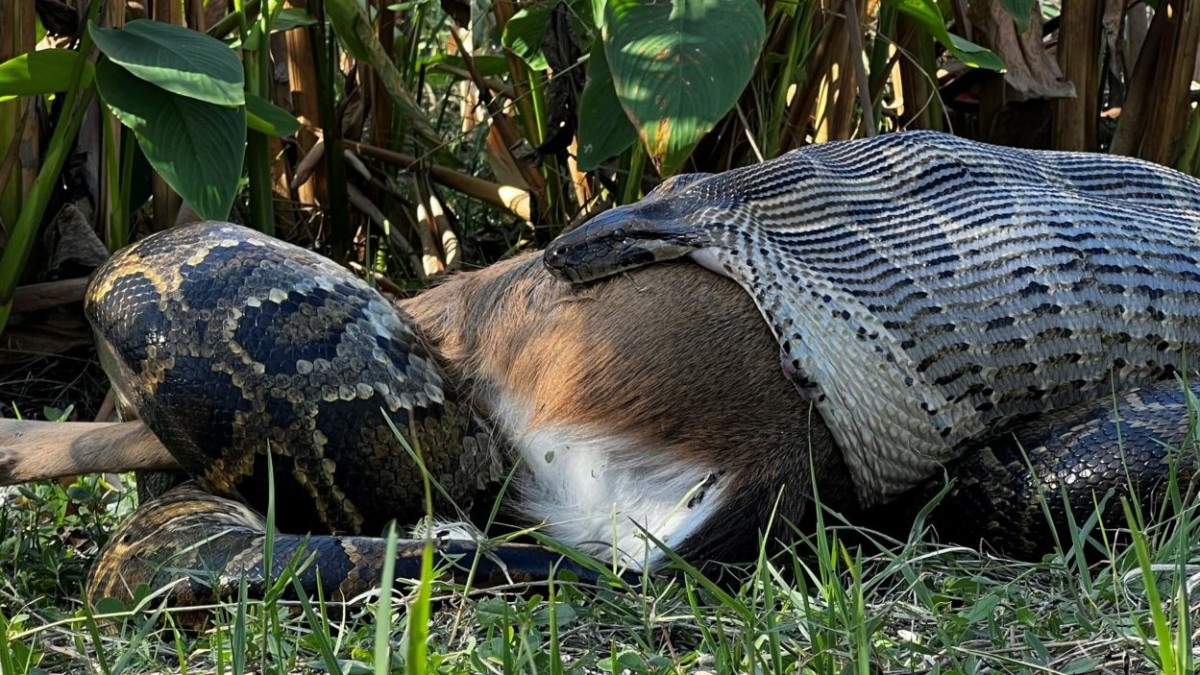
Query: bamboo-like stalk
17	36
1140	95
519	72
381	104
166	200
496	86
337	207
302	77
805	102
1079	41
1189	159
835	109
373	54
530	99
511	199
789	77
918	73
883	56
8	164
117	149
866	107
393	234
256	66
24	230
504	126
631	189
1167	124
429	210
286	209
193	11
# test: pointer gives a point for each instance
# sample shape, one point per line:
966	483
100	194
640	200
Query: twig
860	71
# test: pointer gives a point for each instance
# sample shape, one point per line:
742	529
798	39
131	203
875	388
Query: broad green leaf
1020	10
598	7
974	55
984	607
927	14
42	72
679	66
286	19
604	130
176	59
524	32
291	17
196	147
351	27
488	65
268	118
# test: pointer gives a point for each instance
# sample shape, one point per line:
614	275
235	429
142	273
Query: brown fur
672	355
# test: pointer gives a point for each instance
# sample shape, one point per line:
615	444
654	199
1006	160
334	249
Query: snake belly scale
927	290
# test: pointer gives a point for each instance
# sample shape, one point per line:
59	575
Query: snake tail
228	544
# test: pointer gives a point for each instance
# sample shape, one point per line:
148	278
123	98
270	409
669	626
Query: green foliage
677	68
1020	10
42	72
604	130
825	607
524	32
357	36
291	17
268	118
175	132
16	655
22	233
927	14
175	59
182	95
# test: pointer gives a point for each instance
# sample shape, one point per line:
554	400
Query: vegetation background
413	138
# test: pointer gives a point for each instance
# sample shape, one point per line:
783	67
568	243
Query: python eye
618	234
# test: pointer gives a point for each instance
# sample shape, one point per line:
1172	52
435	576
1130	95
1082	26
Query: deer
646	409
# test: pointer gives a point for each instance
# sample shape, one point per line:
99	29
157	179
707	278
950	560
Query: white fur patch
708	259
447	530
595	491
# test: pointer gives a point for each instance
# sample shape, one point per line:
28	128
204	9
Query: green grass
826	608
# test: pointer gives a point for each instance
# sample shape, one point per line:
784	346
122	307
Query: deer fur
652	401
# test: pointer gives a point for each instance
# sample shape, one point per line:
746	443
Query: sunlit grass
824	607
1111	597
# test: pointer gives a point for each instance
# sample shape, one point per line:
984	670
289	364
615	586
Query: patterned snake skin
230	344
935	296
929	291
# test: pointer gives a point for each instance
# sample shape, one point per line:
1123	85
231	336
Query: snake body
236	348
928	291
227	342
928	294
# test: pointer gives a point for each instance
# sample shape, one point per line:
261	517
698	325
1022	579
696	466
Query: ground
877	607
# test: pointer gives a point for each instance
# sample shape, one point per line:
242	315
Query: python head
667	225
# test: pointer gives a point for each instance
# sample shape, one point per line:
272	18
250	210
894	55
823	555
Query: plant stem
632	190
255	41
24	231
338	210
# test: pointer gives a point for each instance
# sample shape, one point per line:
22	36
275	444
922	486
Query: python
642	409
